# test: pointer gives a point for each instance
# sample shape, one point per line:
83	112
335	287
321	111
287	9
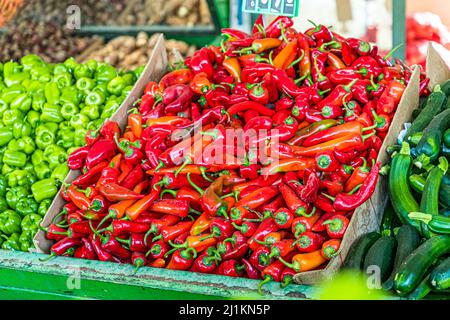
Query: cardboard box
154	70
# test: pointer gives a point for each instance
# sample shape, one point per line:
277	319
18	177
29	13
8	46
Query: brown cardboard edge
153	70
367	217
437	69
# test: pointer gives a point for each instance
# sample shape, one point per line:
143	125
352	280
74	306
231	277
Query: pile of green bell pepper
45	113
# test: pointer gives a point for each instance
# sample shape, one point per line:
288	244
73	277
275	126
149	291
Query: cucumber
402	199
429	202
408	239
440	276
421	290
444	191
430	143
433	106
412	270
381	254
389	221
357	252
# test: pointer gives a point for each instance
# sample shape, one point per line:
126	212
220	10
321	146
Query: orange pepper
233	67
286	55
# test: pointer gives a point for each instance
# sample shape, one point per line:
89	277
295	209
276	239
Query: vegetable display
414	254
46	112
319	105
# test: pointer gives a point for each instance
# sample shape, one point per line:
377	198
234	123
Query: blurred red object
422	27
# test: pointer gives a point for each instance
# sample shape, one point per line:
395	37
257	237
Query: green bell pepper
92	64
82	71
125	92
65	138
33	118
3	107
55	155
10	222
105	73
60	172
63	80
110	107
21	129
85	84
26	144
116	85
80	137
129	78
138	71
26	240
95	97
41	73
14	158
37	157
12	242
12	116
3	204
22	102
60	68
31	222
6	169
79	121
3	185
45	136
95	124
70	95
52	93
6	135
92	112
68	110
27	206
38	101
51	113
14	194
18	178
44	189
10	93
31	61
44	206
42	170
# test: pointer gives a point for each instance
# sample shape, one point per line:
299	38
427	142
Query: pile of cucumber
413	246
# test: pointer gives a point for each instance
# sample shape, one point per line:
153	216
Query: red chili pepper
251	271
252	201
275	28
77	158
345	202
158	249
65	246
260	258
78	198
336	226
100	151
309	192
170	232
283	218
237	252
282	248
309	241
271	273
266	227
247	228
119	227
96	245
205	263
294	203
285	84
91	137
182	259
358	176
53	232
330	248
303	224
176	207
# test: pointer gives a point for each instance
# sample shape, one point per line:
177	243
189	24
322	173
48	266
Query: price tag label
275	7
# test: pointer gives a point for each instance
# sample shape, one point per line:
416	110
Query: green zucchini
421	290
440	276
357	252
435	222
408	239
402	199
433	106
429	203
446	138
444	191
417	182
389	220
415	138
381	254
412	270
445	87
430	143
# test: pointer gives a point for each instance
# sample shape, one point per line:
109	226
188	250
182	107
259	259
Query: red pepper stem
328	196
187	161
156	238
349	86
179	246
365	137
369	128
310	214
321	77
390	53
293	63
159	166
326	44
197	188
50	257
293	266
203	172
355	189
227	195
173	193
58	215
286	281
267	279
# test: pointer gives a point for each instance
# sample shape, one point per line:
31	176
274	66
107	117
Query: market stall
256	167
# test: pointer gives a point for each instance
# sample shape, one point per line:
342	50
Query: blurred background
120	32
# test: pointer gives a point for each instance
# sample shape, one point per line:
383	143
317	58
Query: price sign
275	7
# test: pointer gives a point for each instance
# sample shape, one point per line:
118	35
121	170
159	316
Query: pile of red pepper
327	101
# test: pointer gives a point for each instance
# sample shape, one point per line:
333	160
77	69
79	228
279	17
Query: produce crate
58	278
